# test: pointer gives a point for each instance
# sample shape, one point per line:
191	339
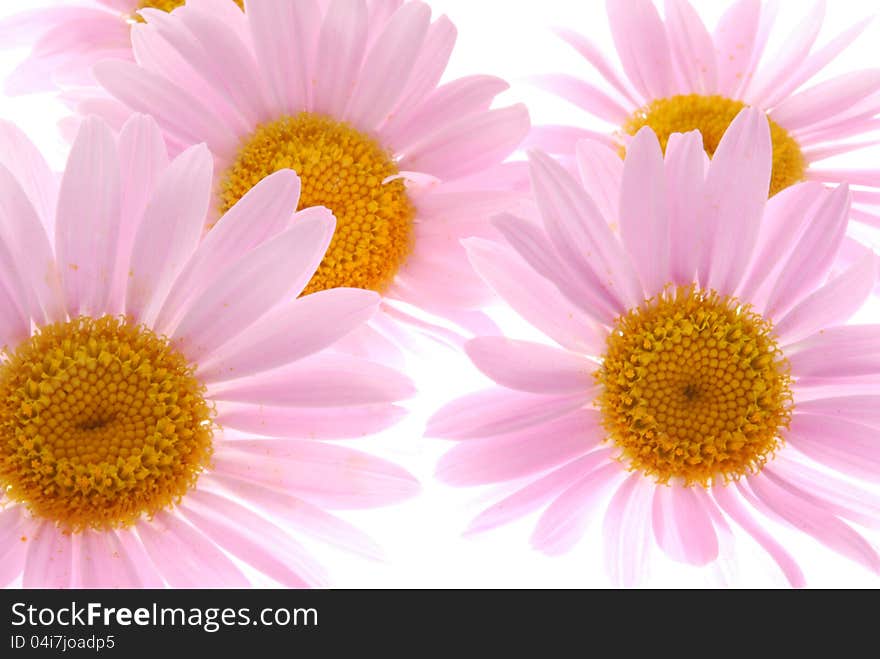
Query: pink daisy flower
703	377
678	77
164	397
347	94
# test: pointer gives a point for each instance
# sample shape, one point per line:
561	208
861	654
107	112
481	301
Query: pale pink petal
601	171
88	219
469	144
497	411
291	331
389	64
594	56
24	160
562	525
861	409
726	497
15	532
826	99
30	250
644	224
178	111
309	423
169	232
641	42
322	380
737	186
282	266
532	367
533	246
302	516
734	40
843	445
693	50
49	562
523	452
868	177
15	325
580	234
822	525
103	562
536	299
821	152
790	55
584	95
326	475
560	139
252	539
139	560
285	34
832	304
685	173
682	525
627	528
185	557
537	493
341	48
262	213
815	254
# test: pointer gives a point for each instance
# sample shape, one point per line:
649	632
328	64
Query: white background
422	538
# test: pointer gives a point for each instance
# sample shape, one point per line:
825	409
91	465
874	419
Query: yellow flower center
345	171
171	5
101	422
694	388
711	115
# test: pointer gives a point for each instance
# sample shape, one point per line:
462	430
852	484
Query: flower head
703	375
678	77
164	394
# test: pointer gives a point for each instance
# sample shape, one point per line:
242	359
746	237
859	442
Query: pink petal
601	171
285	34
737	186
734	40
532	367
88	219
815	254
584	95
49	562
523	452
303	517
341	47
169	232
641	42
685	173
861	409
562	525
867	177
693	50
560	139
644	224
310	423
497	411
261	214
13	550
580	234
594	56
293	330
282	266
682	526
389	64
534	298
731	504
834	303
537	493
103	562
326	475
843	445
252	539
823	526
626	529
323	380
24	160
826	99
185	557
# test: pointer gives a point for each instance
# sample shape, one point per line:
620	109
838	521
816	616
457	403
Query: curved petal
685	177
682	526
641	42
341	47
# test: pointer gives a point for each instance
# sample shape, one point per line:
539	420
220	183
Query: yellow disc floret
694	388
711	115
345	171
101	422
